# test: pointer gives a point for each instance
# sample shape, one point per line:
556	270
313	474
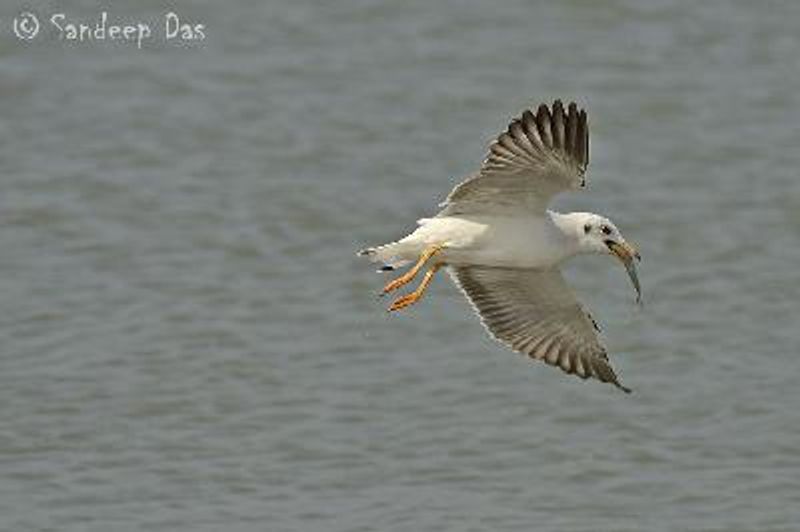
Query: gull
503	248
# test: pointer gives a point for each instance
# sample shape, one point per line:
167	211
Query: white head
597	234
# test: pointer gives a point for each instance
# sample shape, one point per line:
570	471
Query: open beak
626	253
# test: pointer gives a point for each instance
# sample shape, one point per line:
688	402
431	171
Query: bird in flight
503	247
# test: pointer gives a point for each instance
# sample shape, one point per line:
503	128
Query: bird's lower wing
534	312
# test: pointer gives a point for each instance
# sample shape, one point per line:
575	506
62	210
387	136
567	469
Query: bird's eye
606	230
587	228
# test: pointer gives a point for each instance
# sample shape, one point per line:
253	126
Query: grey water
188	342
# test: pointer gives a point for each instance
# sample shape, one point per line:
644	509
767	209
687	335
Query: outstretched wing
538	156
534	312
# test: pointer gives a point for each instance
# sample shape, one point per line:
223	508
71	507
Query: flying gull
503	247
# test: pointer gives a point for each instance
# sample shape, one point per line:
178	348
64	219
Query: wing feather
558	125
538	156
572	129
535	313
544	125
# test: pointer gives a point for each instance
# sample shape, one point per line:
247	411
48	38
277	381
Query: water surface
189	343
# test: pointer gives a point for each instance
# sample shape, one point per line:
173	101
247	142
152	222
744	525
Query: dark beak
626	253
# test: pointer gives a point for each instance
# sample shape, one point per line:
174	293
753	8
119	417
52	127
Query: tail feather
387	254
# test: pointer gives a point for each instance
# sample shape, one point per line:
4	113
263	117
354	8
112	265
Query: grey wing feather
538	156
535	313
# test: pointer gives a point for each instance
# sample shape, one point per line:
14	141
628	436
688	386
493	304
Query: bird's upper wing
537	157
534	312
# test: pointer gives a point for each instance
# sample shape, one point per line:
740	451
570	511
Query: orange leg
409	299
410	274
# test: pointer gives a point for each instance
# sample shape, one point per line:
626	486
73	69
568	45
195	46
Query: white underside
503	241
